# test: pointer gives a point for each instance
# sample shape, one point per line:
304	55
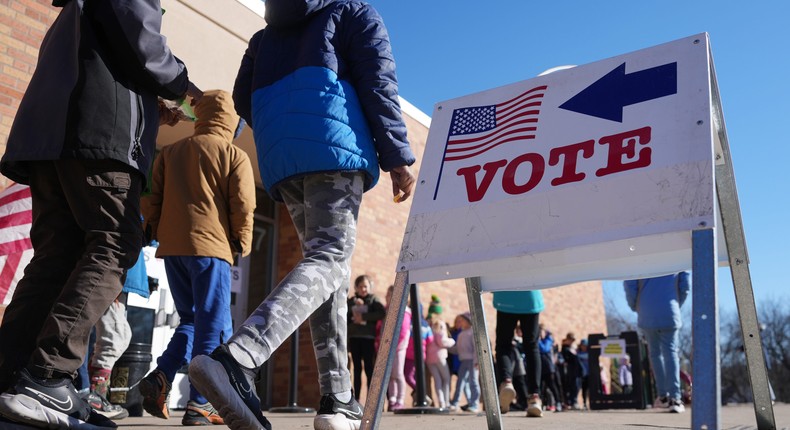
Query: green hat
435	307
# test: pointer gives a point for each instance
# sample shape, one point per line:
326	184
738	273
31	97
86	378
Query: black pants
505	354
362	349
86	232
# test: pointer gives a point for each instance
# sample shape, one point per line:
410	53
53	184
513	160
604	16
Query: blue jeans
663	349
201	291
468	377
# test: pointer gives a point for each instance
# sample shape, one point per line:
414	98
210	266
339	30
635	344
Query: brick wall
22	27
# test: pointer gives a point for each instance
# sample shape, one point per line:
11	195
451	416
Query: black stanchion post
421	406
293	384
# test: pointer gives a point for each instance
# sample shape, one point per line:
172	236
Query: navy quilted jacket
318	87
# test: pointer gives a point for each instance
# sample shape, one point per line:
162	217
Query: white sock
344	397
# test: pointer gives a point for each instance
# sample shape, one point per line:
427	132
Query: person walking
513	308
200	210
83	138
657	302
318	87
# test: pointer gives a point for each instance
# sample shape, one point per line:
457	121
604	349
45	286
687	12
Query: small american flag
475	130
16	215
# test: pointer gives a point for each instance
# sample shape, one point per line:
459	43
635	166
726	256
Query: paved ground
739	417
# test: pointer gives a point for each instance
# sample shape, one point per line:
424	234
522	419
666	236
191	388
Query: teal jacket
519	302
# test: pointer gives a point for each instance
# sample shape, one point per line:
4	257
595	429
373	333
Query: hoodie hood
286	13
216	115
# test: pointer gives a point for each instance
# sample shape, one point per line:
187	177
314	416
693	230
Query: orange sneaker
155	389
200	415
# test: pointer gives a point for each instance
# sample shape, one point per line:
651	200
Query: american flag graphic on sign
16	216
478	129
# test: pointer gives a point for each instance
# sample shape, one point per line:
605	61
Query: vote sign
592	172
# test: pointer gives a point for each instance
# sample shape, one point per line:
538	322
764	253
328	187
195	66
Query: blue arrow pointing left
606	97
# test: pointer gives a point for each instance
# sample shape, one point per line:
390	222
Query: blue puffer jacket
318	87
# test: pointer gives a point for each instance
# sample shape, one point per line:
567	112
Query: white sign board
594	172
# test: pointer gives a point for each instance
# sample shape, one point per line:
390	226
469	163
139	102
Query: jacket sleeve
132	30
373	76
684	286
375	311
631	291
151	205
242	88
241	195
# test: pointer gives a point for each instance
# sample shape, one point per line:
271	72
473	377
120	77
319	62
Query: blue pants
201	290
468	375
663	345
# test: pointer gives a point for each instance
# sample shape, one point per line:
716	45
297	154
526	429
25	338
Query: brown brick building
212	55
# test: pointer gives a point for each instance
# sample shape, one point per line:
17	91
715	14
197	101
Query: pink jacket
403	336
437	350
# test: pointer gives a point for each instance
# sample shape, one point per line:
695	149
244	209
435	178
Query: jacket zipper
137	148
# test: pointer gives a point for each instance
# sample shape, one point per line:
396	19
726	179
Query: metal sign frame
706	414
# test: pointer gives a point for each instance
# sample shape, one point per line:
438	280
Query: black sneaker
336	415
103	406
49	403
226	385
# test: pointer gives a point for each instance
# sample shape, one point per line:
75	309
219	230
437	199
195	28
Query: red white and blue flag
16	216
478	129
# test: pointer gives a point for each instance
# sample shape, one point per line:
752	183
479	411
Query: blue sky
446	49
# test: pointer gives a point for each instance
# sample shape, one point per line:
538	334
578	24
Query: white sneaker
676	406
506	395
534	406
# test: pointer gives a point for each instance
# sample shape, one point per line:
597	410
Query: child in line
396	390
468	373
437	359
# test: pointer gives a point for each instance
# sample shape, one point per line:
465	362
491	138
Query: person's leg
671	352
368	351
398	380
474	387
57	245
179	348
657	361
410	373
210	280
530	334
461	383
505	358
324	208
433	369
104	196
113	335
355	348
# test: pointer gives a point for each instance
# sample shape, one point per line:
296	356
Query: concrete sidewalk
739	417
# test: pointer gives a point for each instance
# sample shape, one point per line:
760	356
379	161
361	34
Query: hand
194	92
169	116
402	180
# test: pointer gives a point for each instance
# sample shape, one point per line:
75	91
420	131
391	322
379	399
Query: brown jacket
203	192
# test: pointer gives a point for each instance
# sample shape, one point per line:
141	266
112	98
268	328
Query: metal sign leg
484	358
705	415
381	371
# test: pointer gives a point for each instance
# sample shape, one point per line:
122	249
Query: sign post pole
705	414
484	359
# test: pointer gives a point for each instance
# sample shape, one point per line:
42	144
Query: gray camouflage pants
324	209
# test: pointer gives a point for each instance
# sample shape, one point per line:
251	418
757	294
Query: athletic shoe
676	406
506	395
101	405
472	409
534	406
200	415
224	383
155	389
49	403
661	402
336	415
